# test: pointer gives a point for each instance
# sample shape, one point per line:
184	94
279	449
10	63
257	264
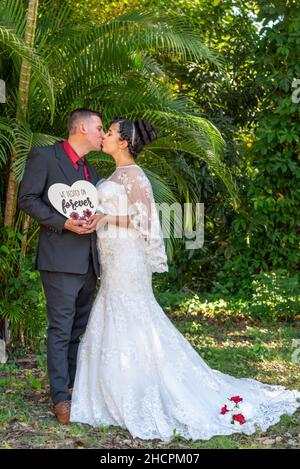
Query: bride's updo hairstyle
137	134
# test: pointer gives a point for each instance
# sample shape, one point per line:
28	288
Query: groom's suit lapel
67	167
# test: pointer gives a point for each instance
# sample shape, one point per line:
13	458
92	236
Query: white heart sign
78	202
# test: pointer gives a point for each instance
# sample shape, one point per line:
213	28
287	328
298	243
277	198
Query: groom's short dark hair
80	113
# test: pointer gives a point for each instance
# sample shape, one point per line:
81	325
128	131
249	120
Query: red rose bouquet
236	418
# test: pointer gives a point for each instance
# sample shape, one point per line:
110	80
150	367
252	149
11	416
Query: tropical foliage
271	160
109	66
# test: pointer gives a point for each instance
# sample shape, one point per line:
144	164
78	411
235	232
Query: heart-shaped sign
78	202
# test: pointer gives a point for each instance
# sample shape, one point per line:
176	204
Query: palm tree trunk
25	230
25	81
12	188
11	197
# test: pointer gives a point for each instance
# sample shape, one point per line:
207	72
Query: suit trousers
69	300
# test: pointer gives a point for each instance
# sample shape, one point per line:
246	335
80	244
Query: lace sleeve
143	215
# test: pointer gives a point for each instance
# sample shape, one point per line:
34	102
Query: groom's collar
67	167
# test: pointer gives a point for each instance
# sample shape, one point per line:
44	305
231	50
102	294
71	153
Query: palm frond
17	137
12	14
139	30
16	46
6	137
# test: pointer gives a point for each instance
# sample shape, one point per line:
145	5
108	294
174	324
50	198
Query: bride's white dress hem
135	370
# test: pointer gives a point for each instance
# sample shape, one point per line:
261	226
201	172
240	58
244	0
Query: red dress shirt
74	158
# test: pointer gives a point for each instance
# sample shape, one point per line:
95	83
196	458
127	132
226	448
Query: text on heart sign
78	202
65	204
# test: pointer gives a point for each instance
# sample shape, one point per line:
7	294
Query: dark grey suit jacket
59	250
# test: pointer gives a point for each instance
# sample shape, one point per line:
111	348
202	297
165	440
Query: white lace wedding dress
135	369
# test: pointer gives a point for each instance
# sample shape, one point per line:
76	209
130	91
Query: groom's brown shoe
62	411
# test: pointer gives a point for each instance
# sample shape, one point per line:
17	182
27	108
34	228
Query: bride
135	370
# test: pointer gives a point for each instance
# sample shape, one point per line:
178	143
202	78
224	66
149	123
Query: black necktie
80	170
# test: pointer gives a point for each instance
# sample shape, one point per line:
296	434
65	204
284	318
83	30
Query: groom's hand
77	226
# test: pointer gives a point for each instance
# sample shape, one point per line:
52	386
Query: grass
230	342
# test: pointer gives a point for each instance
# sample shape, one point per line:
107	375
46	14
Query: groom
67	253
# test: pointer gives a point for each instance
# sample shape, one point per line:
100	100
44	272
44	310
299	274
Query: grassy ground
231	343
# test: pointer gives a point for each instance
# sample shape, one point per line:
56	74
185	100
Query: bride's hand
93	222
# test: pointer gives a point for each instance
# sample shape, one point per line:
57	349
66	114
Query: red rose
74	216
238	418
236	399
87	213
224	410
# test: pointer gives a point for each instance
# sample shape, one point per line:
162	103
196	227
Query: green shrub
276	296
22	300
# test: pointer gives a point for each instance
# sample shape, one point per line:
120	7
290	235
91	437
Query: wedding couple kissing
113	356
